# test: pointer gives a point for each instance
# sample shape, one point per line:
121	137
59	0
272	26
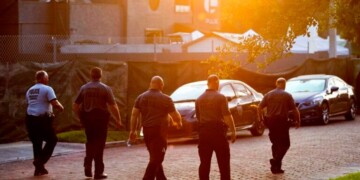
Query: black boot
88	167
39	169
276	167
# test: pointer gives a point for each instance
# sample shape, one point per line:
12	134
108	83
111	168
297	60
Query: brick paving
317	152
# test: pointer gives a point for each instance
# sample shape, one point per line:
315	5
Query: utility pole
332	31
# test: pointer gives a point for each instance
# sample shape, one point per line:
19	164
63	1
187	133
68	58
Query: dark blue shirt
278	103
211	106
95	95
154	107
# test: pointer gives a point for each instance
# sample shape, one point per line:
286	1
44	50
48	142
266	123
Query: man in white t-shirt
41	99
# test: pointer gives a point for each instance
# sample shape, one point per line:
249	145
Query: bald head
281	83
157	83
213	82
42	77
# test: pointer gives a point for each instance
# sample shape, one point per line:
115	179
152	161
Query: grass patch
80	137
351	176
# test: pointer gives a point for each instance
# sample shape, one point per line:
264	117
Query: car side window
227	91
331	83
241	90
339	83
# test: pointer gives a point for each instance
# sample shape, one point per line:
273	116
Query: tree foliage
347	16
279	22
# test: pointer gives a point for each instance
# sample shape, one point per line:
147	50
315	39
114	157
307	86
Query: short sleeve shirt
211	106
278	103
38	98
95	95
154	107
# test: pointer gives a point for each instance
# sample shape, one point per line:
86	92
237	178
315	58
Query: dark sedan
243	101
319	97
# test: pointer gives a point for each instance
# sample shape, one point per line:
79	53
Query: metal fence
39	48
47	48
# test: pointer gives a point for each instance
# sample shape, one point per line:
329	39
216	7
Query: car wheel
324	114
350	115
258	128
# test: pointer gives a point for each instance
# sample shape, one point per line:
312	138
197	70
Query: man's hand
119	124
175	119
132	135
233	137
297	118
297	124
178	125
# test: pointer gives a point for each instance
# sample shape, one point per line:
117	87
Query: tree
347	16
279	22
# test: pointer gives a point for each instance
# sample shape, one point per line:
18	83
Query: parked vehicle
243	101
319	97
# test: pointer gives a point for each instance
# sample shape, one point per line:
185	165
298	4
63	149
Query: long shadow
239	135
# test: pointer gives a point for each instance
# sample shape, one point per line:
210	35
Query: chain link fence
37	48
50	48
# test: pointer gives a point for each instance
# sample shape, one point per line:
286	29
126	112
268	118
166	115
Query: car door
236	110
332	97
245	99
343	95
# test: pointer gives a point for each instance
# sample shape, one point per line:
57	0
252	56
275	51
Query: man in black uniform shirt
154	108
278	103
92	105
214	118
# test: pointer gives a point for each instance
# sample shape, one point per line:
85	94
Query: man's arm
176	118
297	117
114	110
260	113
230	123
76	109
56	104
134	123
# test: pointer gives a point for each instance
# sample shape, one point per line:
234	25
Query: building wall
101	23
35	18
140	16
9	17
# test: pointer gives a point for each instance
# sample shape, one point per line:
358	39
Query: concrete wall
102	23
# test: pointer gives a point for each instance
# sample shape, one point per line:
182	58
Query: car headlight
315	101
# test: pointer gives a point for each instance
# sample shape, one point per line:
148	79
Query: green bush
80	137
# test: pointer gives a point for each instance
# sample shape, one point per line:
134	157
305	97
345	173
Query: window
339	83
153	35
182	6
305	85
227	91
241	90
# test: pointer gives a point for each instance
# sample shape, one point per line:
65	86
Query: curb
123	143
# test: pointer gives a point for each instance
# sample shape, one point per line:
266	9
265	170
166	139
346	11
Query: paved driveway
317	152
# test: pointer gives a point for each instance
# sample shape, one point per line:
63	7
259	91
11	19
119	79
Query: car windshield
305	85
188	92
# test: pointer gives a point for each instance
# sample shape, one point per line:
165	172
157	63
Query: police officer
154	108
214	118
278	103
41	99
92	105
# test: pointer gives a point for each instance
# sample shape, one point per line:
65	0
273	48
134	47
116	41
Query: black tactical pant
156	143
280	139
40	129
95	123
212	138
